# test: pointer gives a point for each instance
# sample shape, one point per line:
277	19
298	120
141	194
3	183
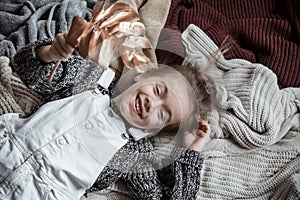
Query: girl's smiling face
154	102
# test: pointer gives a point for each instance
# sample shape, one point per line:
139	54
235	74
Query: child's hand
58	50
198	138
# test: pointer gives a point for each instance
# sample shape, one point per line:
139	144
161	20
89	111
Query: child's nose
148	104
151	104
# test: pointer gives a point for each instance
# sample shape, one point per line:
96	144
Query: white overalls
59	151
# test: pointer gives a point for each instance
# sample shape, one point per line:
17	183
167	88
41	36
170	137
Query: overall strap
104	81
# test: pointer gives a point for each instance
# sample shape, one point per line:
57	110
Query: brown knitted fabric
7	102
266	31
15	97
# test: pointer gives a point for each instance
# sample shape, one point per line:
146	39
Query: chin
136	124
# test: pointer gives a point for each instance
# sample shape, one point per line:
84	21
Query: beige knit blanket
15	97
254	152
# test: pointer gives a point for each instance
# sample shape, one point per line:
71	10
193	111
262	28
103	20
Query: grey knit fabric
254	152
72	77
24	22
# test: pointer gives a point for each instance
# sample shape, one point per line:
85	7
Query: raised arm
34	63
137	164
187	168
187	165
180	180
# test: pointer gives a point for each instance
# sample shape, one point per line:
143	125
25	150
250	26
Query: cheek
146	89
147	122
153	122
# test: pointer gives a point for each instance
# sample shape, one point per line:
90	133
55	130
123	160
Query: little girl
59	150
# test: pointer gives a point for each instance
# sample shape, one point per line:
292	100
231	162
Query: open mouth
138	106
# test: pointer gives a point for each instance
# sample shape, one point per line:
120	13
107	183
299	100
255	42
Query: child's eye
161	114
157	90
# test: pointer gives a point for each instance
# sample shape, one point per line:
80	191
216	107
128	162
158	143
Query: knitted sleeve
136	164
187	168
184	175
34	73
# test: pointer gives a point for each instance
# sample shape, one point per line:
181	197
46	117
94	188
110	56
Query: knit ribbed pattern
72	77
266	31
137	165
256	175
15	96
255	146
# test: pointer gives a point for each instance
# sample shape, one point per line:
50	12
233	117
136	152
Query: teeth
137	106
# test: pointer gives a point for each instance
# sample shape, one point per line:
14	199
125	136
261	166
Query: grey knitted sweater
254	151
136	163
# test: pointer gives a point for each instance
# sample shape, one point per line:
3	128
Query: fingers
197	139
203	126
65	35
60	49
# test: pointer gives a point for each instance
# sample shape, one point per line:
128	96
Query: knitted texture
137	163
255	146
265	31
77	74
34	20
15	96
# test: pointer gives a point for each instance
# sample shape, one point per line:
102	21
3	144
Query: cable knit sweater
137	163
255	148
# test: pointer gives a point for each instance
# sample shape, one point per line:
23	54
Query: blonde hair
199	86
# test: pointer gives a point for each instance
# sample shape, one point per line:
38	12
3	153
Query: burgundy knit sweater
266	32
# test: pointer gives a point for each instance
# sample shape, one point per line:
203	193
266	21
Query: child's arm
188	163
186	168
58	50
184	174
34	63
136	164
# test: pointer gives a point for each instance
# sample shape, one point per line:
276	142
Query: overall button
88	126
38	156
110	113
61	141
3	134
125	136
96	91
